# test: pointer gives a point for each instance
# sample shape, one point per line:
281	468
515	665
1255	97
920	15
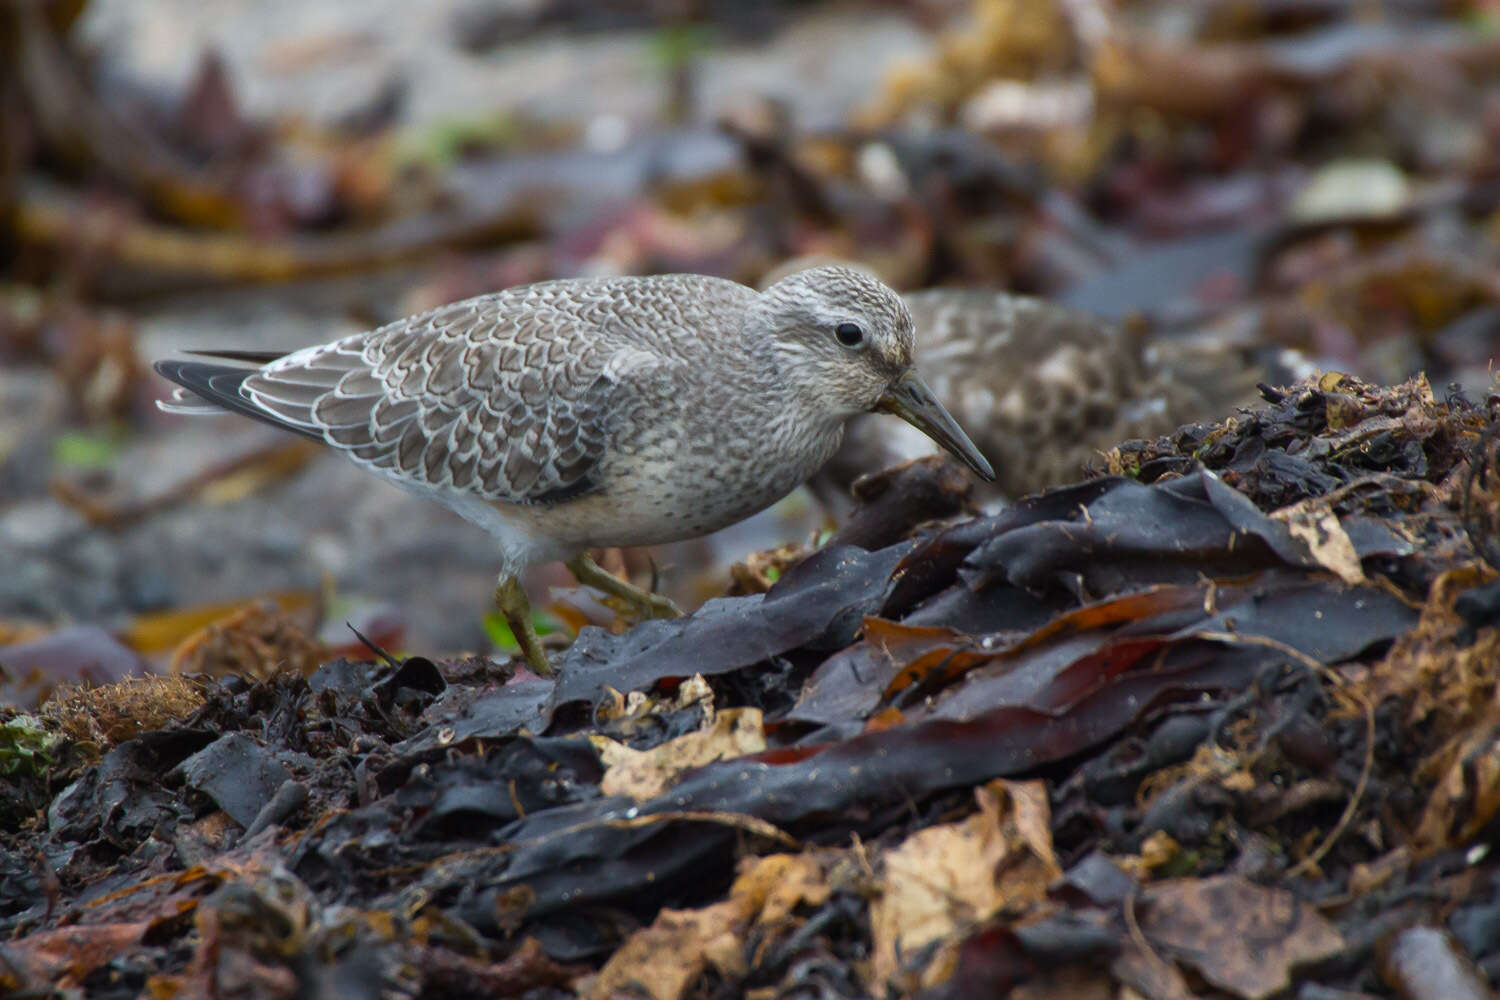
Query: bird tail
208	388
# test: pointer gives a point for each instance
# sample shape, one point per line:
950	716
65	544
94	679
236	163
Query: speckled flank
612	411
1042	388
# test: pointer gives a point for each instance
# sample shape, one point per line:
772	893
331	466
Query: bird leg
649	605
511	600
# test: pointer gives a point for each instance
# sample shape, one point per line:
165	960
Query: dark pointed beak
910	399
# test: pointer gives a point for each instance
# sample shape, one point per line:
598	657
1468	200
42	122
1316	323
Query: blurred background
1281	184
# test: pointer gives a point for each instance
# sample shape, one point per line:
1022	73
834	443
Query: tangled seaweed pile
1219	725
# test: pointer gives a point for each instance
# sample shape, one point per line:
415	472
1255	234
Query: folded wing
510	404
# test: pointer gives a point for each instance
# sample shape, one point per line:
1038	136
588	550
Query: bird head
846	339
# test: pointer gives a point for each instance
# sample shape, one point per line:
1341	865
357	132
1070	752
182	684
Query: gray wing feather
509	403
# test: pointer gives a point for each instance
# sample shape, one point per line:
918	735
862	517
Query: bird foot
647	604
658	606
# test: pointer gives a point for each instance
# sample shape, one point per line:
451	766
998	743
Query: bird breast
696	465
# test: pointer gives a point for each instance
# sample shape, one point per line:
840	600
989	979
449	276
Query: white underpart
519	546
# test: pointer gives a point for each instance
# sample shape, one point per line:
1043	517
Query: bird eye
849	334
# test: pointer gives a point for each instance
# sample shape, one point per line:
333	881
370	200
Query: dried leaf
1241	937
256	641
949	877
64	956
1325	539
164	630
663	960
644	774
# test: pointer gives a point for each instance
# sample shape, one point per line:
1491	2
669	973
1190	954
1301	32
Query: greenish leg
591	574
511	600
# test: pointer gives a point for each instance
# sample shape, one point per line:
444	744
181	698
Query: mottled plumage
596	412
1043	388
